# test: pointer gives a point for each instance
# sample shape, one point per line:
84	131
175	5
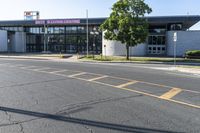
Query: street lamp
94	33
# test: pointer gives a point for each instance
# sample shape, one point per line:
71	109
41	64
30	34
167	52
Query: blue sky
13	9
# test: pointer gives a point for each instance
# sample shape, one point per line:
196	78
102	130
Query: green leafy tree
127	23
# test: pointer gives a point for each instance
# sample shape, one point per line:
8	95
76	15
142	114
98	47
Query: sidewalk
36	56
184	69
74	58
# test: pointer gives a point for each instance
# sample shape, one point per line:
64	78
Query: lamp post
94	33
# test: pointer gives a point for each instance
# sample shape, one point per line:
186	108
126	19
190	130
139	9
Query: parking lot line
167	96
173	92
40	69
59	71
27	67
77	74
101	77
127	84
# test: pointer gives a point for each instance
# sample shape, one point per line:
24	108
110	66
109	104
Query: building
70	36
55	35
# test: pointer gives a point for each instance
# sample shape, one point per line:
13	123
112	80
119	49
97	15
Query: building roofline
186	20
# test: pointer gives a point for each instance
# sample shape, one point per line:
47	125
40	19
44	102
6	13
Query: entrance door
156	45
156	49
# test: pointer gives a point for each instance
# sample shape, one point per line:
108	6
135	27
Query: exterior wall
186	40
20	42
3	41
115	48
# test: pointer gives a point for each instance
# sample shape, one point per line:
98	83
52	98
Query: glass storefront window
59	30
81	29
70	39
68	29
156	40
50	30
74	30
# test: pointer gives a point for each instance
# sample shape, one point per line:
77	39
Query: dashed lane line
170	94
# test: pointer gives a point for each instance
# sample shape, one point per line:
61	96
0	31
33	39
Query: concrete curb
142	62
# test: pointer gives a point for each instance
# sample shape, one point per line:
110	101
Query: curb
11	57
142	62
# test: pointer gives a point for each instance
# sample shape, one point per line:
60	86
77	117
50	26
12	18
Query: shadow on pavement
98	124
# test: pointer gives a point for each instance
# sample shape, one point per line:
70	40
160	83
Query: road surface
42	96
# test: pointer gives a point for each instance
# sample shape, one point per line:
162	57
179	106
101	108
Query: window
68	29
50	30
59	30
163	49
156	40
176	27
150	40
81	29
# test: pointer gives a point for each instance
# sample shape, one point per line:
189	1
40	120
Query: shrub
193	54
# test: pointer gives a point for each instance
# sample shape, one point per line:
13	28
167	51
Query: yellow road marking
173	92
101	77
151	95
131	90
126	84
77	74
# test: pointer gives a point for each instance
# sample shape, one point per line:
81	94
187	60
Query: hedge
193	54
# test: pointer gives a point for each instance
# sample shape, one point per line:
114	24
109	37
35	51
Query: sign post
104	50
175	40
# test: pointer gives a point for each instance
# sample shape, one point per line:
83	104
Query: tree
127	23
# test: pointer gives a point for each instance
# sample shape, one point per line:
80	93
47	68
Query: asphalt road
39	96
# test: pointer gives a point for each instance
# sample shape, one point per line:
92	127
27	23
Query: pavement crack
21	128
9	116
71	108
